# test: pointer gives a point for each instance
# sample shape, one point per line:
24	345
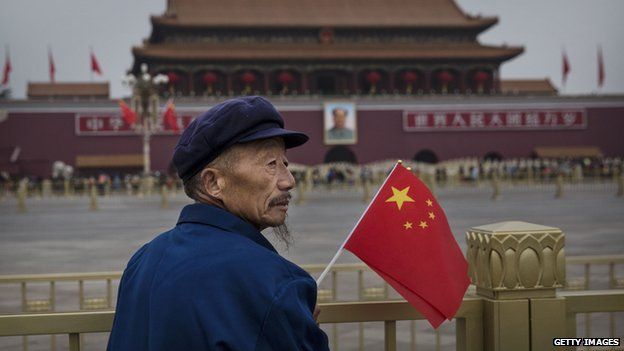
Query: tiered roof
330	13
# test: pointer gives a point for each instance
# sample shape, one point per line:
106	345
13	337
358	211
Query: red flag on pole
52	68
7	69
405	237
170	119
127	113
566	68
95	66
601	70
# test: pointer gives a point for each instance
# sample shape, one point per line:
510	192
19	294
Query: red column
191	83
304	82
462	81
355	82
267	86
228	82
428	84
391	84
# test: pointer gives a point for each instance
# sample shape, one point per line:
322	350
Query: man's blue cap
233	121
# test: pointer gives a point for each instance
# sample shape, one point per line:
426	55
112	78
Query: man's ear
213	181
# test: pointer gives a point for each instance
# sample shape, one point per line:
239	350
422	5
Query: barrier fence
369	297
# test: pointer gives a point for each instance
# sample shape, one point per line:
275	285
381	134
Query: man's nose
286	181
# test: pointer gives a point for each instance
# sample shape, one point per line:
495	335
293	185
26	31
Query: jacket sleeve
289	324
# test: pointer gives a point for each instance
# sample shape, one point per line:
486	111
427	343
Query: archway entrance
493	156
426	156
340	153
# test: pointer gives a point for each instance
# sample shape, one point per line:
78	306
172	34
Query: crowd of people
458	171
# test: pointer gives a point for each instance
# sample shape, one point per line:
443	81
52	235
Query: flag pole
341	248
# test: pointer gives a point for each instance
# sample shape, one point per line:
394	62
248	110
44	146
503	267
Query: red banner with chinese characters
501	119
114	124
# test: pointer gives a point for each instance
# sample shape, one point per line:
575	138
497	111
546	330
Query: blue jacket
214	283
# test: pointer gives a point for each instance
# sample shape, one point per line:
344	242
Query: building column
191	83
428	84
355	83
462	81
304	82
391	74
267	86
228	83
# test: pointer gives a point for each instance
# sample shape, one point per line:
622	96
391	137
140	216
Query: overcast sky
112	27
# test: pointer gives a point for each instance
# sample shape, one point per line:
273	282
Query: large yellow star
400	196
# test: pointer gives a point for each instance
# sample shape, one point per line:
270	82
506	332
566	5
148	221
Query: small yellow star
423	224
429	202
400	196
431	215
408	225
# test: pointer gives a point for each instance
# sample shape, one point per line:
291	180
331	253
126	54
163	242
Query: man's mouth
281	201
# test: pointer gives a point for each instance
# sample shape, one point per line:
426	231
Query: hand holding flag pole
404	237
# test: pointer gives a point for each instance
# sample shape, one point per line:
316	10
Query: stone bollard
516	267
366	190
93	205
46	188
559	186
22	194
495	187
66	187
164	196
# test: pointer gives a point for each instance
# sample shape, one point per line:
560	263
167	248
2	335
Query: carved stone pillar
516	267
508	260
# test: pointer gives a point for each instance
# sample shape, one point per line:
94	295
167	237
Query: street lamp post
145	103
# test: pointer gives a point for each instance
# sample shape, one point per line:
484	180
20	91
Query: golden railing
469	319
326	294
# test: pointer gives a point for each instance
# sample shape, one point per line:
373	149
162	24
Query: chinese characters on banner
506	119
114	124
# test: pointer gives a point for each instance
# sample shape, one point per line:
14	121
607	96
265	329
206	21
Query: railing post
390	335
516	267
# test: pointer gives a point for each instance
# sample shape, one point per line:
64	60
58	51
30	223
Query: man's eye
273	163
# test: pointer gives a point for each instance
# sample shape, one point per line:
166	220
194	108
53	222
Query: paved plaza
61	235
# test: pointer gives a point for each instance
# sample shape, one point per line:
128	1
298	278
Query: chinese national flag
95	66
404	237
51	66
128	115
601	70
565	70
170	118
7	69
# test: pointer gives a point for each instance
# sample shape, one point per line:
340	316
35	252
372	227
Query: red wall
48	137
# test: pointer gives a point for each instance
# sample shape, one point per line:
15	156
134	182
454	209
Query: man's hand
316	313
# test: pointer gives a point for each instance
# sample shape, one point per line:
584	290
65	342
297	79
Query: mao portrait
340	123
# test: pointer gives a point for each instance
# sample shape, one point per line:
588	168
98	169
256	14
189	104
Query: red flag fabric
170	118
7	70
565	68
405	237
51	66
95	66
601	70
128	115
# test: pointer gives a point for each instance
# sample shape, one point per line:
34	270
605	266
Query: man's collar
220	218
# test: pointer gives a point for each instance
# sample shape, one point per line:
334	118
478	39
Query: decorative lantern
174	79
409	77
210	78
480	78
285	78
248	78
373	77
445	78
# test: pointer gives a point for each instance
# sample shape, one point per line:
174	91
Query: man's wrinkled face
257	188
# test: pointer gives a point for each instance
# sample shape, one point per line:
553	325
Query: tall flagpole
341	248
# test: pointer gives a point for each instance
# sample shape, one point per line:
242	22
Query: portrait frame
339	136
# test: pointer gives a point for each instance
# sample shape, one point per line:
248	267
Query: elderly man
214	282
